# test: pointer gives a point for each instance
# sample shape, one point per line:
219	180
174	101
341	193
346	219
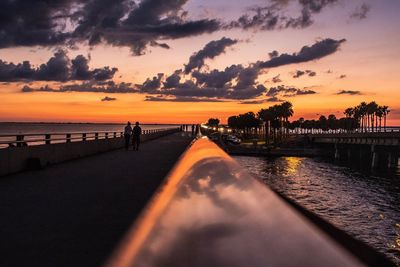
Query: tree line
363	117
369	115
274	118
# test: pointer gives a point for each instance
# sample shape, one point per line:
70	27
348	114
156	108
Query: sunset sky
184	61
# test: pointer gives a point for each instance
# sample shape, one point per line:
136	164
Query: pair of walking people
134	134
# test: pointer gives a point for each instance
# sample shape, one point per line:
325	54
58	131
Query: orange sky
369	59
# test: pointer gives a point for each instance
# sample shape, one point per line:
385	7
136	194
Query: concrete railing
18	140
18	158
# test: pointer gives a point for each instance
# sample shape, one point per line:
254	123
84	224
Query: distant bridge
378	148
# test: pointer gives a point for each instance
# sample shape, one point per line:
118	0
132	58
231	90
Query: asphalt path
75	213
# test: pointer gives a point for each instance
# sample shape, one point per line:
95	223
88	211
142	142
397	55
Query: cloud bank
58	68
193	83
138	25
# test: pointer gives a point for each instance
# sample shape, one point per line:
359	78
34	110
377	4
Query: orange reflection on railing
199	150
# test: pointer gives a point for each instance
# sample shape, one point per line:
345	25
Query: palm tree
287	111
266	115
372	107
349	112
363	111
385	110
379	114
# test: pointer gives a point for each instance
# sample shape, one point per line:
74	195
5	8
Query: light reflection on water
364	204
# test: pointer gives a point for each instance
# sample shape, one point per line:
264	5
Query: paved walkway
74	214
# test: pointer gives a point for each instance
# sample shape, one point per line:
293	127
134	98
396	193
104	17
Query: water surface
363	203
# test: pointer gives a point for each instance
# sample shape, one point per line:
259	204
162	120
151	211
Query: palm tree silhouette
385	111
371	111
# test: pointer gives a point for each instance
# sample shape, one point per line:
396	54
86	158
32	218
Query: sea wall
16	159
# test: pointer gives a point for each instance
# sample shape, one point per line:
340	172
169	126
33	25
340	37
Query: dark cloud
139	37
233	83
274	15
348	92
262	101
180	99
91	87
247	93
141	25
271	18
28	89
288	91
151	85
343	76
117	22
210	50
277	79
361	12
300	73
138	25
107	99
58	68
237	82
274	99
173	80
312	73
105	73
98	16
247	77
305	92
308	53
80	70
15	72
246	86
31	23
264	18
216	78
189	89
316	6
151	12
280	89
273	54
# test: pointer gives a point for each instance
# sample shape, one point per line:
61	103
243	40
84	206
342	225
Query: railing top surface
210	212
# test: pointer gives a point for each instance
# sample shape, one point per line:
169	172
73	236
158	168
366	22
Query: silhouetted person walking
137	131
127	134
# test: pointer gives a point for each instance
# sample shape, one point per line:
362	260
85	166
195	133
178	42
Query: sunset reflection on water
363	203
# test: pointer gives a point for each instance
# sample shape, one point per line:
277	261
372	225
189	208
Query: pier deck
75	213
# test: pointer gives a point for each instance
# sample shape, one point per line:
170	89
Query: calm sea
363	203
